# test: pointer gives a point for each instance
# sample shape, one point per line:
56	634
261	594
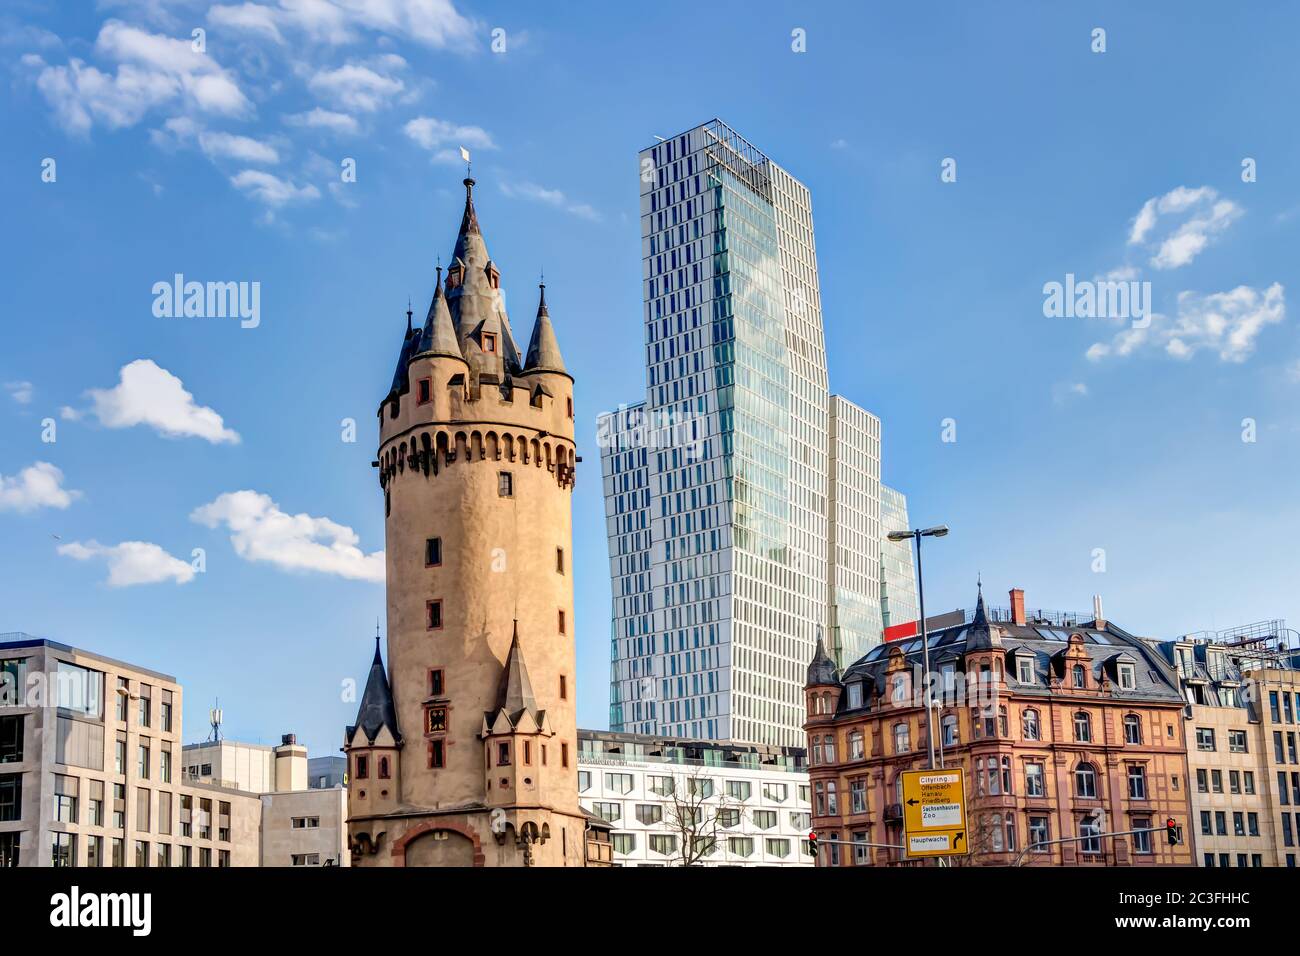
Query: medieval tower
464	752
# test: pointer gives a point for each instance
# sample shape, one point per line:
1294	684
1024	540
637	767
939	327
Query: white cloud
272	190
552	197
260	531
444	139
147	394
132	562
324	119
434	23
20	392
152	70
36	486
1063	392
1209	215
252	17
358	86
243	148
1226	323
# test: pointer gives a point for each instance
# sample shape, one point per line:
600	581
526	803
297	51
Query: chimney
1097	614
290	765
1017	605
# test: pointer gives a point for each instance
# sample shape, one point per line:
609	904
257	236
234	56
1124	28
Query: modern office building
326	772
898	600
719	484
696	802
1243	720
90	771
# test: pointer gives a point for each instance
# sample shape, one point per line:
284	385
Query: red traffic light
813	836
1171	831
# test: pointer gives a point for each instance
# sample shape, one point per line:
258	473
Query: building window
609	811
564	755
437	755
649	813
1029	720
1237	741
740	846
1132	729
564	687
1204	738
146	704
1202	781
433	615
1216	781
436	682
422	392
728	817
1085	781
489	343
503	755
739	790
858	795
561	622
620	782
11	797
1137	782
902	738
949	727
559	560
1080	675
568	406
432	552
1082	727
1025	670
1034	780
1091	832
1127	676
855	695
663	843
1142	839
166	714
777	847
505	484
1039	833
66	791
623	842
857	746
384	773
764	819
63	849
363	767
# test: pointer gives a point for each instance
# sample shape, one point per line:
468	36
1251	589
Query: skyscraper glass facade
718	485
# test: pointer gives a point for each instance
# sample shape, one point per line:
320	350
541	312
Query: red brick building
1063	731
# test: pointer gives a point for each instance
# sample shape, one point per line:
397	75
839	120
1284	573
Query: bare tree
694	815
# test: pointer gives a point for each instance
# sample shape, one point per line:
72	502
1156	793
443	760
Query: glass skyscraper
718	486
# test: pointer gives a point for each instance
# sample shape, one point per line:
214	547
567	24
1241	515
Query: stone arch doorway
440	848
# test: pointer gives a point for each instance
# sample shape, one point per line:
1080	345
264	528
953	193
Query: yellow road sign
934	812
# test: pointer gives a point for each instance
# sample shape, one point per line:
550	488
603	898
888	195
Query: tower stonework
465	750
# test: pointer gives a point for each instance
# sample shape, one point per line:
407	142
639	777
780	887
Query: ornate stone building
1064	731
465	750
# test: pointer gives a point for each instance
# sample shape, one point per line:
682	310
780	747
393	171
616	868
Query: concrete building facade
90	769
464	752
1242	719
755	811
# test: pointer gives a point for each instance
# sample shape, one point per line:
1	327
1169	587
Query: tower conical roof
822	669
474	300
516	693
543	348
377	710
982	636
439	334
409	338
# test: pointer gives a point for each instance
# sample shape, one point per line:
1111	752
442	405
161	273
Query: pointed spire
409	338
821	671
439	334
981	635
377	710
543	348
516	689
981	615
469	221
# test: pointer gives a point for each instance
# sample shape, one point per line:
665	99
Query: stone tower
465	751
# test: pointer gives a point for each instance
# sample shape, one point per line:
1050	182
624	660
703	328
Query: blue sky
1073	434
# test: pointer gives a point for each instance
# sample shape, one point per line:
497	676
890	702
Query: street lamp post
917	534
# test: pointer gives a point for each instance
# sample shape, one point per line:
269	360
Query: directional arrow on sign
913	802
957	839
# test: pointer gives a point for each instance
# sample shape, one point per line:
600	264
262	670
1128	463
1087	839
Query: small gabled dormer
1022	666
1073	666
1122	671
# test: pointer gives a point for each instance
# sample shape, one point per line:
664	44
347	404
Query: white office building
718	485
752	806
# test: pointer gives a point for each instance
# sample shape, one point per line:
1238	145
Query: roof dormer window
1079	675
489	342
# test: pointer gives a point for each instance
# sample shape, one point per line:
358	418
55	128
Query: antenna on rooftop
214	720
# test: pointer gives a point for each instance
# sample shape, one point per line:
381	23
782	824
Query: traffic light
812	843
1171	831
